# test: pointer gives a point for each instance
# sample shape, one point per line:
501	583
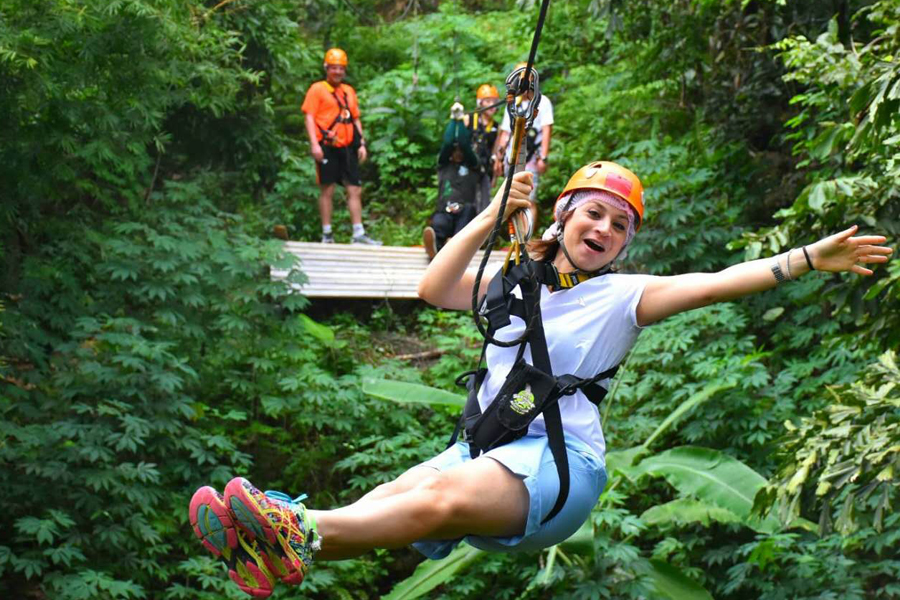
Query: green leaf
317	330
669	582
712	477
819	195
685	511
582	541
693	401
773	313
410	393
622	461
433	573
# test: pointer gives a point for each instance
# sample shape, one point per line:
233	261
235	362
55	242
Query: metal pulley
522	116
515	91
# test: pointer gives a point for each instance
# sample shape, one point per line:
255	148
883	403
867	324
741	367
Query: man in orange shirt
337	143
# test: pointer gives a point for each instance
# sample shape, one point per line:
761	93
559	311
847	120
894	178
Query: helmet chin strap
559	238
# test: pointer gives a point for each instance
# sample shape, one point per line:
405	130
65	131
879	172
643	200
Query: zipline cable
415	77
455	67
523	84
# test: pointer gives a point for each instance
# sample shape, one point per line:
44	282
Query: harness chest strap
344	116
499	301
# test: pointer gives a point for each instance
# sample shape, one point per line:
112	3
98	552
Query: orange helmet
609	177
486	90
336	56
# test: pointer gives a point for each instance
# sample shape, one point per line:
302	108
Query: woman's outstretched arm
446	282
666	296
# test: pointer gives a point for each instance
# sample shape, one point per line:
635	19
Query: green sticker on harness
523	402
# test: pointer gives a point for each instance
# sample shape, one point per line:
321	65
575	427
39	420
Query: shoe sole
212	522
251	519
428	239
214	527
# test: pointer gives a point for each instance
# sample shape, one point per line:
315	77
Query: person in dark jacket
458	178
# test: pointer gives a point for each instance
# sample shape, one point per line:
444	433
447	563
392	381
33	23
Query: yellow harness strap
570	280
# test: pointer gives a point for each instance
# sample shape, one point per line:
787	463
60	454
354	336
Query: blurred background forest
147	147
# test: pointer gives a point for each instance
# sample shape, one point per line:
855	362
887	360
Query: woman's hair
545	250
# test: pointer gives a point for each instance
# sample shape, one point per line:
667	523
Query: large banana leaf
433	573
712	477
622	462
410	393
670	583
687	510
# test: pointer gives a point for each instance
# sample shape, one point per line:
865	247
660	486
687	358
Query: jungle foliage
148	146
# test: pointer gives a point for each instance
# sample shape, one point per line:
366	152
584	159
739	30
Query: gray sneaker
327	238
364	239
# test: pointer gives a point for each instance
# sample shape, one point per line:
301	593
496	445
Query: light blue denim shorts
530	458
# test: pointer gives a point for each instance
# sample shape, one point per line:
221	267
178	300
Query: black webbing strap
540	357
593	391
499	298
471	380
461	381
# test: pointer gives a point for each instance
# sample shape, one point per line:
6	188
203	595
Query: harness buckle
567	384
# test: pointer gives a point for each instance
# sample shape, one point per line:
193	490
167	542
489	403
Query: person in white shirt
500	500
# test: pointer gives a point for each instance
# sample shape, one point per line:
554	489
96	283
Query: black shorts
341	165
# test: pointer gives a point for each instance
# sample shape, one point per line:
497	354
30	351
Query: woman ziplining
530	465
502	487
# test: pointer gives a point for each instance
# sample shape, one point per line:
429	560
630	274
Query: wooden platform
358	271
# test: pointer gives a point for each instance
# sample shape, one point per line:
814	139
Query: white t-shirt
544	117
589	329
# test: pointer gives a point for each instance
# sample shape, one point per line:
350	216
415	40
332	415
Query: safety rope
455	67
489	106
415	77
498	224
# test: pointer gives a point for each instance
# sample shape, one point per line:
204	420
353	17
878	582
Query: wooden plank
357	271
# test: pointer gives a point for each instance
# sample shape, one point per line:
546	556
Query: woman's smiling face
594	235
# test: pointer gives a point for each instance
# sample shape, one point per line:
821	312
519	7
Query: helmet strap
562	245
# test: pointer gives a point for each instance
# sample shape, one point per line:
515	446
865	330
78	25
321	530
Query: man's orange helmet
336	56
486	90
609	177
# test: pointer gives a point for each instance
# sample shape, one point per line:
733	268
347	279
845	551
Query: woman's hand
519	195
842	252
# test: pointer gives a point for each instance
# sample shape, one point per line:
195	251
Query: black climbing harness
530	389
483	137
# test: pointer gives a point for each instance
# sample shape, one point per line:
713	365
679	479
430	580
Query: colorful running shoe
283	525
246	559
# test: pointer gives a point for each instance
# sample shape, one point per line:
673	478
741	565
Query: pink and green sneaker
283	525
246	559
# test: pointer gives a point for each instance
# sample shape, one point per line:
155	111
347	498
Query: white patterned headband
580	197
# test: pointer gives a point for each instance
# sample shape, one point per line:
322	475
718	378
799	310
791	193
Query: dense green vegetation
148	146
